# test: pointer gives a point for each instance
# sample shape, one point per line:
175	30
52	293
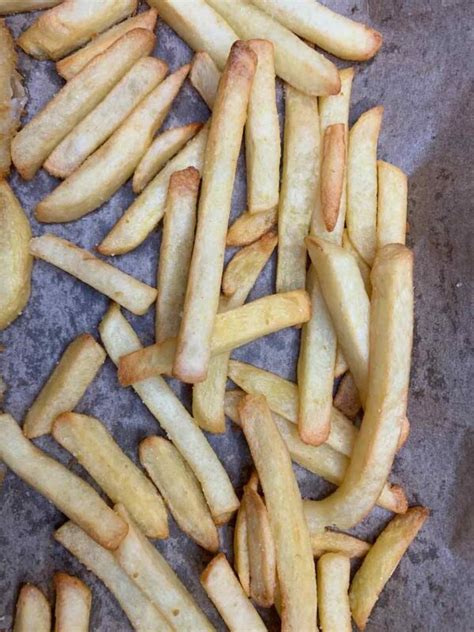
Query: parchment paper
423	77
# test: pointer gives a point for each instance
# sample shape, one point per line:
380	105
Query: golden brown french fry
241	550
332	173
156	579
223	146
392	204
364	267
361	216
33	144
176	250
333	584
65	386
22	6
15	258
251	226
241	266
68	26
102	122
347	398
126	290
381	561
205	77
119	339
71	495
334	542
73	604
225	592
68	67
164	147
180	489
33	611
141	613
147	210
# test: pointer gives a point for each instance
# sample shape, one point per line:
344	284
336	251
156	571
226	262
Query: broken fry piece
335	542
244	263
73	604
33	611
251	226
333	600
241	550
205	77
332	173
392	204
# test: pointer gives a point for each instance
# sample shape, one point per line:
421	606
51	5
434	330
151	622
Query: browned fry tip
332	173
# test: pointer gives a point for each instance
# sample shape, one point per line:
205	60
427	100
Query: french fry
225	592
332	173
144	214
104	172
241	550
15	259
205	77
333	584
141	613
73	604
334	542
392	204
364	267
68	26
22	6
87	439
33	144
33	611
70	66
119	339
66	385
341	364
251	226
347	399
164	147
294	557
316	23
381	561
71	495
361	216
102	122
223	146
126	290
176	250
180	489
208	396
156	579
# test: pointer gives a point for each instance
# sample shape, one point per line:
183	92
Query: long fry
251	226
73	604
22	6
392	204
205	77
33	611
333	584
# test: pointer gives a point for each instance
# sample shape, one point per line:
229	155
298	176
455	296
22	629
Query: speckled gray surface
422	77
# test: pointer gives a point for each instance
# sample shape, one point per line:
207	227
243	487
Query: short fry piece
251	226
332	173
73	604
364	267
246	261
347	398
392	204
333	584
22	6
205	77
126	290
33	611
342	543
241	550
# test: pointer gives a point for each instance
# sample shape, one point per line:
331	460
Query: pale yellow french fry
180	489
222	151
241	550
33	611
334	542
102	122
146	211
33	144
205	77
164	147
68	67
364	267
208	396
361	215
381	561
347	399
333	584
251	226
226	593
66	385
333	164
73	604
22	6
141	613
68	26
245	262
176	250
392	204
71	495
156	579
15	258
316	23
126	290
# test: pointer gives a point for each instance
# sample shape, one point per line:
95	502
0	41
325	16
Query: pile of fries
353	304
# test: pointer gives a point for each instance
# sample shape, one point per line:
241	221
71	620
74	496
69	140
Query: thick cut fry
126	290
15	258
294	557
180	489
347	398
332	173
73	64
241	550
73	604
66	385
68	26
334	542
102	122
381	561
119	339
103	173
144	214
33	144
71	495
242	265
225	592
392	204
205	77
141	613
157	580
251	226
22	6
33	611
225	137
164	147
316	23
299	187
364	267
176	251
362	183
333	584
262	133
